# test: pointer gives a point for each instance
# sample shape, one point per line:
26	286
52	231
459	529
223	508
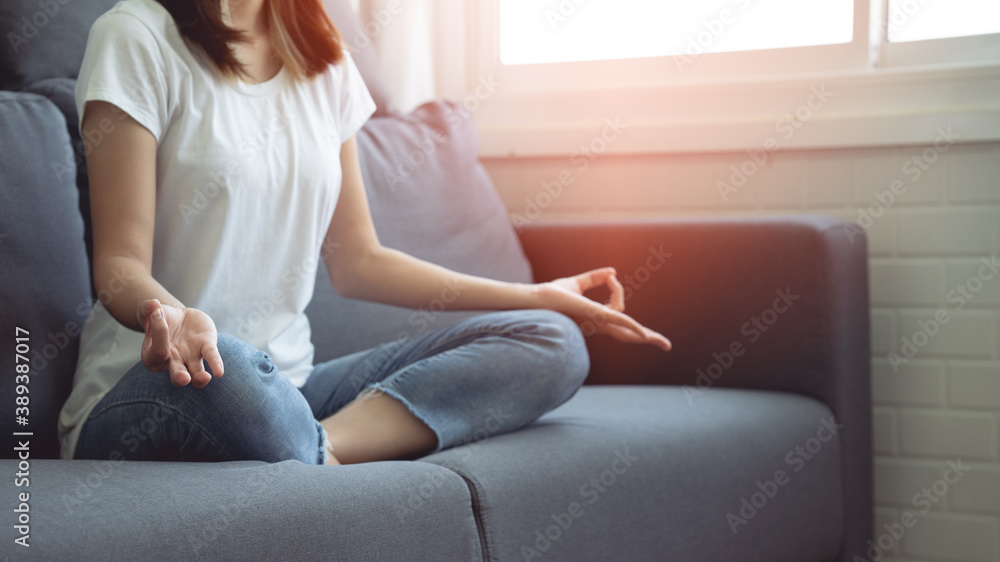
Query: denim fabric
251	413
484	376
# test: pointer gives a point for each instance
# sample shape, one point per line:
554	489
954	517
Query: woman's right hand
177	340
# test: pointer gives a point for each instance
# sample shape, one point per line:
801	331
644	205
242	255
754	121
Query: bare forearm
122	283
392	277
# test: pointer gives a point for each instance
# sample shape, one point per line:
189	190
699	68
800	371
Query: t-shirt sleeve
354	103
123	65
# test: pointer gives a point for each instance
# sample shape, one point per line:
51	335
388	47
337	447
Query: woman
214	132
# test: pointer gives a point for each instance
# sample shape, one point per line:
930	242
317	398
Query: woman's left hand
566	295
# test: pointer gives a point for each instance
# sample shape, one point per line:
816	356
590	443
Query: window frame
883	96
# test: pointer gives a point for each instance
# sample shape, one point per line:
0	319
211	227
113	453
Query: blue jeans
484	376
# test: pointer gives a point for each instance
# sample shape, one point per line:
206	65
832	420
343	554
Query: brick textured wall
935	402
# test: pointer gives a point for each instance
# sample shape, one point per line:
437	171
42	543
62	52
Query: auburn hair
302	34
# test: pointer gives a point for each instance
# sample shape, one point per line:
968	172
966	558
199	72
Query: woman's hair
302	34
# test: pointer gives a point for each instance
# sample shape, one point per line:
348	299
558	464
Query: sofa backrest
44	39
45	277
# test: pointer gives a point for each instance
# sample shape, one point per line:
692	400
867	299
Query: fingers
604	276
594	278
179	375
627	335
621	333
659	340
184	359
143	311
617	301
625	328
627	321
199	376
156	344
210	351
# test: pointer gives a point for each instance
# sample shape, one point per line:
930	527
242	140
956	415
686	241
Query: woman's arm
122	170
361	268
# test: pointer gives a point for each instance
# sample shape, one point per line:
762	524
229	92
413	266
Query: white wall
942	405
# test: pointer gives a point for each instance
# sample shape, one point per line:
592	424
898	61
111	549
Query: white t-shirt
247	178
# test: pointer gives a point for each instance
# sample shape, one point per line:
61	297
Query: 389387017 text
22	439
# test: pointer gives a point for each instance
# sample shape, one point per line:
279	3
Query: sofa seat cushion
89	510
642	473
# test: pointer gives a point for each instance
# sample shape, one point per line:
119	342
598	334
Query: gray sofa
749	441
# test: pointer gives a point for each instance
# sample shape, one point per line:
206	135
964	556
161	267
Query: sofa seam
477	515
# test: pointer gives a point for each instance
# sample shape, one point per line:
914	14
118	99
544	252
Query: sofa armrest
770	303
778	303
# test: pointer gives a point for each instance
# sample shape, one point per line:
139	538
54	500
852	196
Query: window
920	20
533	33
720	75
921	32
782	36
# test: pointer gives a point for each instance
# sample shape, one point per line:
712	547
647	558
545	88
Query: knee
565	351
251	380
240	356
260	413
